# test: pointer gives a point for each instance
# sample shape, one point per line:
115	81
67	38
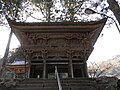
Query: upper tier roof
94	27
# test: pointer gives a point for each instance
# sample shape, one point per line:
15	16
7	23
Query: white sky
107	45
4	35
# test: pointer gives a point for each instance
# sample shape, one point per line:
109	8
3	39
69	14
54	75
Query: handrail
58	78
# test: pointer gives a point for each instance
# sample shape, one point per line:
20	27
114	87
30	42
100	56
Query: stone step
30	85
54	81
67	84
56	88
33	88
37	88
39	81
47	84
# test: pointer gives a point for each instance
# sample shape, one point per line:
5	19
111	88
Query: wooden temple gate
66	45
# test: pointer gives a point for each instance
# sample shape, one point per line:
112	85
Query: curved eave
94	27
57	26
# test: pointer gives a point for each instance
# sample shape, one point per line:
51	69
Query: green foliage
58	10
67	10
45	7
72	7
17	54
11	8
50	10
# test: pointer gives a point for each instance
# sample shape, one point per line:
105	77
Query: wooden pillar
44	69
85	64
71	68
82	70
85	45
44	52
70	64
26	59
29	70
85	69
27	54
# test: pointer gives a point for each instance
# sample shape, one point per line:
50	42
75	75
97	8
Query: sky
4	35
106	47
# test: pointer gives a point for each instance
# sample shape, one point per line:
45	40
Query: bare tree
96	70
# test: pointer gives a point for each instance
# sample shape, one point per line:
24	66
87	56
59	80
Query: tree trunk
7	49
114	7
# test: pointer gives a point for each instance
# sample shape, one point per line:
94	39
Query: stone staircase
51	84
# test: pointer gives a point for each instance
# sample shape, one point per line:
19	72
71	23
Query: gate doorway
36	71
62	70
